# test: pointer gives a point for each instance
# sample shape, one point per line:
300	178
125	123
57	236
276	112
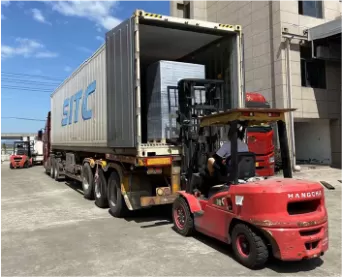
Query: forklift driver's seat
246	170
246	166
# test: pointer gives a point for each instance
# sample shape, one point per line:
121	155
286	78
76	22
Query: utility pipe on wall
289	99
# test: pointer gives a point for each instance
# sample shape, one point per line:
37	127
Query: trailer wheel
100	190
116	201
87	182
182	217
249	248
57	170
47	172
52	168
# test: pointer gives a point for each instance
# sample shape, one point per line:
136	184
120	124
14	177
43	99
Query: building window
180	10
187	10
312	70
311	8
184	8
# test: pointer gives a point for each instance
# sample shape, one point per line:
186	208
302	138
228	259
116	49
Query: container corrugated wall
121	84
90	129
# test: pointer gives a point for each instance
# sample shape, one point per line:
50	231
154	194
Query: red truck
260	138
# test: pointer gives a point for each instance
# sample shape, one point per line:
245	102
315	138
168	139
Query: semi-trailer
96	131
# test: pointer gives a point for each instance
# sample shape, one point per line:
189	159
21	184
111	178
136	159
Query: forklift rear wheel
116	201
100	190
182	218
249	248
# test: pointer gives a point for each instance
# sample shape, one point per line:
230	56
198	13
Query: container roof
158	43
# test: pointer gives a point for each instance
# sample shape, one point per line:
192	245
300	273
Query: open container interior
216	49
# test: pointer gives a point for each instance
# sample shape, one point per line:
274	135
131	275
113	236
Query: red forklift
281	217
260	138
22	156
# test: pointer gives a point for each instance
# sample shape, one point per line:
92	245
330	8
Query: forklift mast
196	98
22	147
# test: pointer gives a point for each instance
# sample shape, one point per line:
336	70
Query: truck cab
260	139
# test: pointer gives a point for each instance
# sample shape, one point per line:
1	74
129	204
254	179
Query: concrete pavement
48	228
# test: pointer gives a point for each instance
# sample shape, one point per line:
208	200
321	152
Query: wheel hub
85	183
113	194
97	190
180	217
243	246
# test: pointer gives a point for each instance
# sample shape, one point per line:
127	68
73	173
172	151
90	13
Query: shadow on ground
273	264
162	215
74	185
153	217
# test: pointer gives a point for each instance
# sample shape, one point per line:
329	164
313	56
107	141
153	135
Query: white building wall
265	61
313	141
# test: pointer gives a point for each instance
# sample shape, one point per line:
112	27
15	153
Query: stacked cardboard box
162	99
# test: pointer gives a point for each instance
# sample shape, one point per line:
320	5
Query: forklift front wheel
182	217
249	248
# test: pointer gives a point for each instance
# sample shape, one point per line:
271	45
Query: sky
42	42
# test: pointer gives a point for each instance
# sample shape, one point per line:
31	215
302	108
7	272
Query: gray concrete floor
48	228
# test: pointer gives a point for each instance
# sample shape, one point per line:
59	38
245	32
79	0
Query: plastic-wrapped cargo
162	79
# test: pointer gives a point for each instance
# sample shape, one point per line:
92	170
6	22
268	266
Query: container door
121	104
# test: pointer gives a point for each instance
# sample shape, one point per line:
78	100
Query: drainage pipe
289	99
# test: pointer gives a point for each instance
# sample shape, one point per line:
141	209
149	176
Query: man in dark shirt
225	150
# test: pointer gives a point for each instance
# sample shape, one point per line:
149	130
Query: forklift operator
224	152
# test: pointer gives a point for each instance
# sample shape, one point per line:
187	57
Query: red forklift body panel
290	213
18	161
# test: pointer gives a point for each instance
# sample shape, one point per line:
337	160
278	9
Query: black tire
100	190
26	164
249	248
182	218
52	168
116	201
46	164
57	177
87	182
11	166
